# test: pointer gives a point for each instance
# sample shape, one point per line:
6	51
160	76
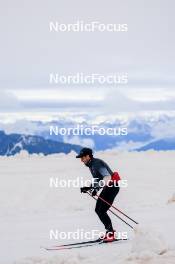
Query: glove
85	189
93	192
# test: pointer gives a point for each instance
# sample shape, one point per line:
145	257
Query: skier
101	174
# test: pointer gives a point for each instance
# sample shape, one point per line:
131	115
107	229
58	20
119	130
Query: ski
74	244
83	244
79	243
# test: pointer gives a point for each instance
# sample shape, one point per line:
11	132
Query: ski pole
116	209
113	213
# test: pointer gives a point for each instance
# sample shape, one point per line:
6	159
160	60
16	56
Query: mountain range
144	132
13	143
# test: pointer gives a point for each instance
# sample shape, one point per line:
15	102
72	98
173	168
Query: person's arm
106	178
106	175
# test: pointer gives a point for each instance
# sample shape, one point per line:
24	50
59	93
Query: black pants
108	194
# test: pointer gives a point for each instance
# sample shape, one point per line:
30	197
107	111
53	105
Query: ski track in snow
30	208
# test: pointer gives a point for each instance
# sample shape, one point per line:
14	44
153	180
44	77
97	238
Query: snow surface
30	209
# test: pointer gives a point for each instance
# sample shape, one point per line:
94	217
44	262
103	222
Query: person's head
85	155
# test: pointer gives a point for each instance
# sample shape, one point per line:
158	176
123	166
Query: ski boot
109	236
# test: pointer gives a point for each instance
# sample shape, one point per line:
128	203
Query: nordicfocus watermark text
92	78
81	26
81	130
81	234
57	182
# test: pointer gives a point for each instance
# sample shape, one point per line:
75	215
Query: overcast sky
29	53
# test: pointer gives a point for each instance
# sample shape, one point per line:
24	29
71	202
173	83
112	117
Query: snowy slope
30	209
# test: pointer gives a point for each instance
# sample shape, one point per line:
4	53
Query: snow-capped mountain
161	144
142	130
14	143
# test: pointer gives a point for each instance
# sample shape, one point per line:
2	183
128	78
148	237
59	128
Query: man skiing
101	173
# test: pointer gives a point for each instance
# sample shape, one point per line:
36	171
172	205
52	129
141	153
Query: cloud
8	102
129	145
85	142
113	102
21	126
30	53
117	101
164	129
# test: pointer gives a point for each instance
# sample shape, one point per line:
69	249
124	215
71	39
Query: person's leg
108	194
101	210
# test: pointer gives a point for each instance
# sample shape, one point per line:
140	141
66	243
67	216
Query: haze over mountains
144	132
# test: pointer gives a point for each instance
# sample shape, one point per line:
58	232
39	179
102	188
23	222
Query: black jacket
99	169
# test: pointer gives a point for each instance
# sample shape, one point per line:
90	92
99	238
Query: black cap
84	152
